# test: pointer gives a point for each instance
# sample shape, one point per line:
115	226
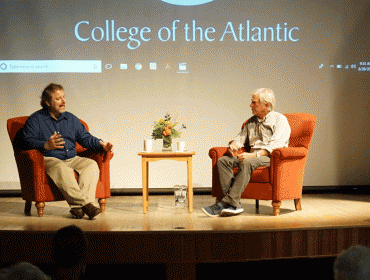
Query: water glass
180	194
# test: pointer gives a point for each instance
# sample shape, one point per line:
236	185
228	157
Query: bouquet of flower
166	129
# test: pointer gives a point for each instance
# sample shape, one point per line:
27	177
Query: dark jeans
234	185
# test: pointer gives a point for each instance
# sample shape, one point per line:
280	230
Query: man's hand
243	156
233	148
106	146
55	142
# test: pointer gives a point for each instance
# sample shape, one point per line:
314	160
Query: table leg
190	183
145	171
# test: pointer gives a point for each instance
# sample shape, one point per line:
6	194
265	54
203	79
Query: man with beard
54	132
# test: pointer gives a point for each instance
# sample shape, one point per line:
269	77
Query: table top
166	154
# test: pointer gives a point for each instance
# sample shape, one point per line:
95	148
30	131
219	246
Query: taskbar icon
339	66
180	68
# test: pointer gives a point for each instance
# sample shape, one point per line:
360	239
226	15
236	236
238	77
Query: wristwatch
258	154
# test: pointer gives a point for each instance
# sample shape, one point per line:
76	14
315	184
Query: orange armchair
36	185
283	179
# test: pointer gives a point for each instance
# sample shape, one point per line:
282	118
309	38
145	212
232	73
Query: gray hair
266	96
353	263
23	271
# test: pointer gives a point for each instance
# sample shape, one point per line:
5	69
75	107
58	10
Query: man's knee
92	165
224	161
58	167
246	164
252	163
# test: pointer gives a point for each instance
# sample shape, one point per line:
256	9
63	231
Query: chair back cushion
302	127
14	125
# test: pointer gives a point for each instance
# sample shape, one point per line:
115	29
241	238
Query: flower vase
167	144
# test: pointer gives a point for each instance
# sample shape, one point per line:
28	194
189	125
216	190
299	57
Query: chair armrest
31	168
33	157
216	152
287	171
289	153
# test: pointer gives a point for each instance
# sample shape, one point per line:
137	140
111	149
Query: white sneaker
231	211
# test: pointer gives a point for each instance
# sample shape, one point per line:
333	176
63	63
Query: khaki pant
62	173
233	186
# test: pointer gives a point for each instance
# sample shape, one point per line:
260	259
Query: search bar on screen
50	66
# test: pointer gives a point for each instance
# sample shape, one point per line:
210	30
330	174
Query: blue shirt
40	126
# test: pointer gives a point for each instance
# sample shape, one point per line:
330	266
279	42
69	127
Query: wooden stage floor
327	224
125	214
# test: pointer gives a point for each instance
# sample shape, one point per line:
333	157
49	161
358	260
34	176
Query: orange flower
167	131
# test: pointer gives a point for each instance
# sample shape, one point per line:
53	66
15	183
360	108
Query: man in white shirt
265	131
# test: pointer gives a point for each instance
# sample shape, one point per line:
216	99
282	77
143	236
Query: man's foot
215	209
91	211
230	210
77	212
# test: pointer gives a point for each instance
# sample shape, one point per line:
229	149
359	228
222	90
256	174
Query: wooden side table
147	157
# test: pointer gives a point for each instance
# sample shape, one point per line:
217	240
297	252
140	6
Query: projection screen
125	64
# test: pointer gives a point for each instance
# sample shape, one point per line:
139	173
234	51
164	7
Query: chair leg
257	206
297	203
102	203
276	205
40	208
27	208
